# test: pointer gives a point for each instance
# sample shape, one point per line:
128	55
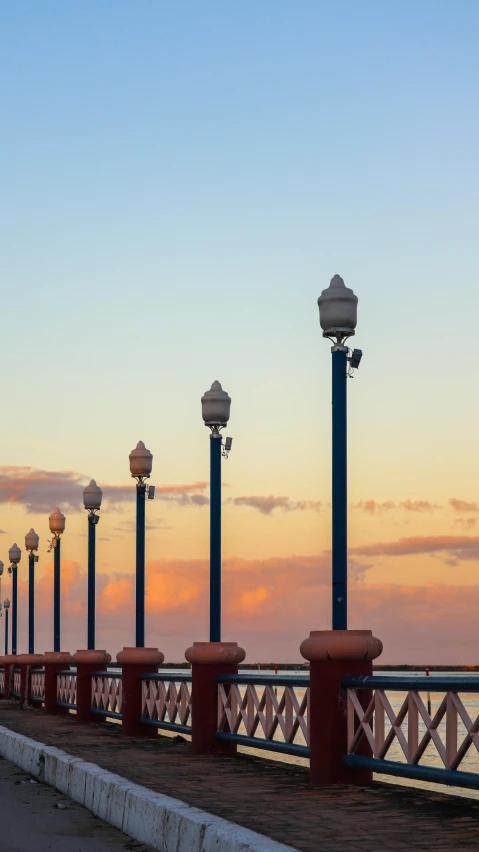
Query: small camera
355	358
151	492
228	442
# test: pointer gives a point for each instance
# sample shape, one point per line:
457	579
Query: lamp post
31	544
6	606
215	405
14	555
338	307
92	496
141	463
57	527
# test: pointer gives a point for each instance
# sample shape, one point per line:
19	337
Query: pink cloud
267	505
460	547
463	505
372	507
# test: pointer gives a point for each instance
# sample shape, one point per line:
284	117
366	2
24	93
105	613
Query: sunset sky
179	183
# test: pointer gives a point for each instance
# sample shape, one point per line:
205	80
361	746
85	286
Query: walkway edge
160	821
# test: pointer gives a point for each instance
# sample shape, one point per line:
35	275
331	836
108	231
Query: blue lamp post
338	307
57	527
92	496
6	606
31	544
141	463
14	555
216	405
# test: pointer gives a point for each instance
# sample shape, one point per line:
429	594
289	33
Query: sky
179	182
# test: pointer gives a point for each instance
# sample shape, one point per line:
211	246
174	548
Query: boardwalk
272	798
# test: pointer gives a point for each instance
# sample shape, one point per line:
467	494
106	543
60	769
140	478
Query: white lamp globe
338	309
14	554
92	496
141	460
31	540
215	406
57	522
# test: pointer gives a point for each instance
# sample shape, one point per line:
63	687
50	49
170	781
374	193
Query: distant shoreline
304	667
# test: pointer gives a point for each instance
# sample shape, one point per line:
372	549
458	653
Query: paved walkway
271	798
34	816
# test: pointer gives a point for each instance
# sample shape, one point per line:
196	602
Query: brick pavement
266	796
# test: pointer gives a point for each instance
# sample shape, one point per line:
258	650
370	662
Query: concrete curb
160	821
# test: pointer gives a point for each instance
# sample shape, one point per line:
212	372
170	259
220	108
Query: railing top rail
265	680
441	683
106	673
179	678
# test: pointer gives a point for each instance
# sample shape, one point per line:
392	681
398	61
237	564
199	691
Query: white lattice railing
37	687
410	732
2	680
17	682
166	702
271	712
67	688
106	694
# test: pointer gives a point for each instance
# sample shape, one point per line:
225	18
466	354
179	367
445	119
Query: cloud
465	523
463	505
455	546
270	605
267	505
42	490
372	507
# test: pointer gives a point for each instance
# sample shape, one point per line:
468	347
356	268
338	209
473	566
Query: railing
276	706
106	694
448	733
164	704
17	679
67	689
2	681
37	686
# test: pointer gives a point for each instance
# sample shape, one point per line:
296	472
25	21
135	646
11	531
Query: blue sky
179	182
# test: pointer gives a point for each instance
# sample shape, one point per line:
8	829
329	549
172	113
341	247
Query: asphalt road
31	821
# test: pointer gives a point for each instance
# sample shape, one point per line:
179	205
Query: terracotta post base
54	662
333	654
209	659
26	662
135	662
87	662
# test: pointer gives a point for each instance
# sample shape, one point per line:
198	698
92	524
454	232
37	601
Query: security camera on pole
215	657
14	555
92	496
57	527
31	545
335	653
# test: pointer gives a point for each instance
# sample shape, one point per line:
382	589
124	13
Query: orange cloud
460	547
371	507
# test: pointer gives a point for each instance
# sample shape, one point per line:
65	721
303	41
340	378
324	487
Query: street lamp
57	526
215	405
14	555
31	544
338	309
141	463
92	495
6	606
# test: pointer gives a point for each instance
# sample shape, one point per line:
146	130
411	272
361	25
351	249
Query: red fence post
54	662
135	662
333	654
87	662
8	662
209	659
26	663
